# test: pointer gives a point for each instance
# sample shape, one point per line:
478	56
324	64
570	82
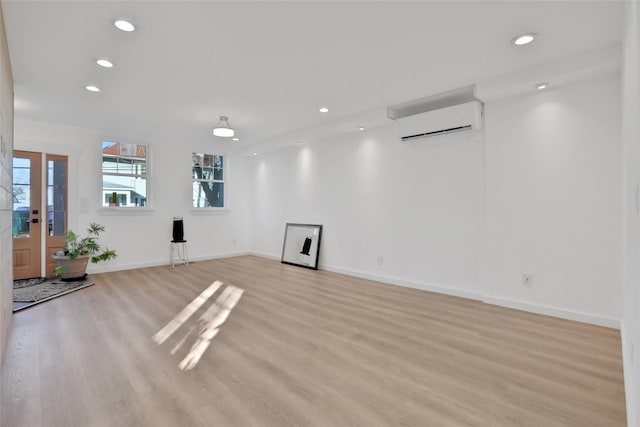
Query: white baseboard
627	369
121	267
264	255
406	283
553	311
503	302
389	280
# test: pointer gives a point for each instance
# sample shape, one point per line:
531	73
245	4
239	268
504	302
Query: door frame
32	243
48	245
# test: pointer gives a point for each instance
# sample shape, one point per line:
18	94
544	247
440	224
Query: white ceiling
270	65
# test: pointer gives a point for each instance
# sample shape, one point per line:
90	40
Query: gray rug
23	283
26	296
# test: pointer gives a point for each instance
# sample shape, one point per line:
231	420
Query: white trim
389	280
210	211
116	210
502	302
148	175
120	267
264	255
554	311
627	369
406	283
623	341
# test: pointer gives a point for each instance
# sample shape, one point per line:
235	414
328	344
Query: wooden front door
27	214
31	217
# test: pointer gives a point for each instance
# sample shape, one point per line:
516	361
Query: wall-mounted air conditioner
457	118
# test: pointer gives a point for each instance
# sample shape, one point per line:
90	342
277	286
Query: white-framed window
208	179
124	174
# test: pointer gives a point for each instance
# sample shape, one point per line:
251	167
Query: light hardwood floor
303	348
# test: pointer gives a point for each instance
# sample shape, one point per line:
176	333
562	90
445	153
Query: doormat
26	296
23	283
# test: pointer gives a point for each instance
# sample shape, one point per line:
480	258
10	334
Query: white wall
554	200
6	193
551	162
419	206
467	214
141	238
631	212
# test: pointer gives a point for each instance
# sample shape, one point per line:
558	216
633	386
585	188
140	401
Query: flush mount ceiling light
542	85
235	139
92	88
104	63
361	128
223	129
123	25
255	154
323	109
523	39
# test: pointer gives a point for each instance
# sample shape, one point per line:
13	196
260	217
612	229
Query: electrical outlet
527	279
380	260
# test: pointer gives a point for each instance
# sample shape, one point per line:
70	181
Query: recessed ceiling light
323	109
255	154
298	142
360	128
104	63
542	85
123	25
524	39
92	88
235	139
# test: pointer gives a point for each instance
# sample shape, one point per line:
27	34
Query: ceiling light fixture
524	39
298	142
104	63
123	25
235	139
255	154
323	109
223	129
360	128
92	88
542	85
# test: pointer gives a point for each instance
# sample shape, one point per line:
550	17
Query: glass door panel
56	207
26	214
56	197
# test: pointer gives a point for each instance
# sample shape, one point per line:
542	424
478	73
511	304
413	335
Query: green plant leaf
89	245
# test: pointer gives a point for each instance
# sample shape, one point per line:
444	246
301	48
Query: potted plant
73	258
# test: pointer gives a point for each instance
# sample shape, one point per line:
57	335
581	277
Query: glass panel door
56	207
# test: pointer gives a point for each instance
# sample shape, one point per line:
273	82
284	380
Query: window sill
114	210
210	211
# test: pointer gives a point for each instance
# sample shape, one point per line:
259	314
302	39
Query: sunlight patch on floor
207	326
